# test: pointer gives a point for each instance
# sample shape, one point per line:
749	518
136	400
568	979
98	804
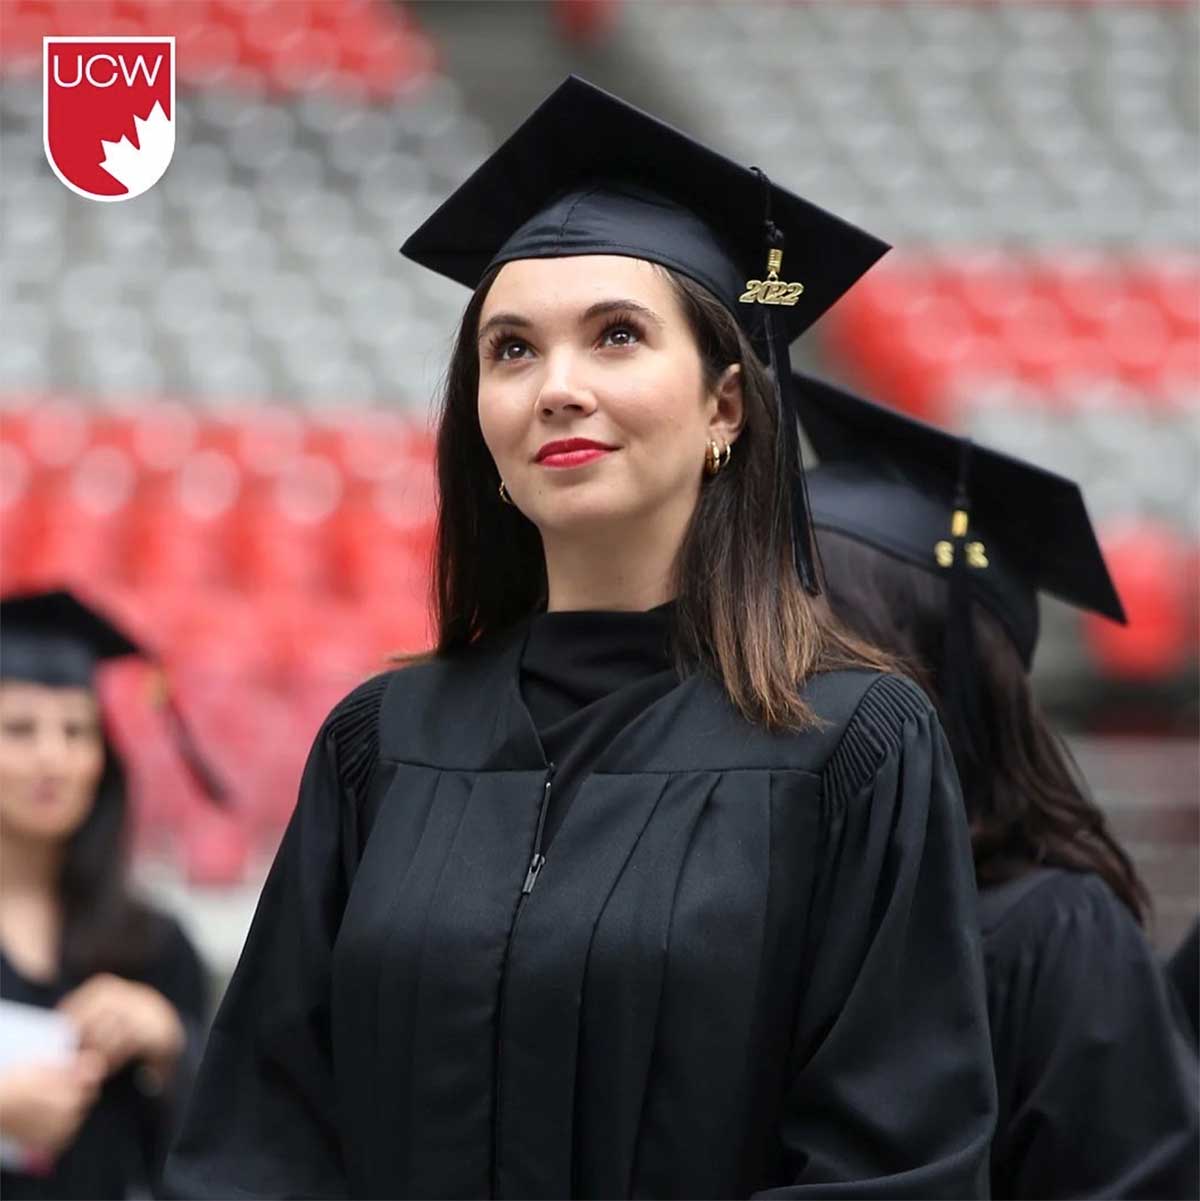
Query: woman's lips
573	458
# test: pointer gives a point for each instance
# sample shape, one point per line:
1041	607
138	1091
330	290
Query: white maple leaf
139	169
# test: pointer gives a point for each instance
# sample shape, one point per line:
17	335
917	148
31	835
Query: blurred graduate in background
935	550
103	999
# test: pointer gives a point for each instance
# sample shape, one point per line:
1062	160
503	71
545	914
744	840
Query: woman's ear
730	414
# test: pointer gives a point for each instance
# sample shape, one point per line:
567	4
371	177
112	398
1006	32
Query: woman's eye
18	729
81	730
510	349
620	335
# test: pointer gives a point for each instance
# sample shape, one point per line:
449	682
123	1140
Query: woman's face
51	759
597	347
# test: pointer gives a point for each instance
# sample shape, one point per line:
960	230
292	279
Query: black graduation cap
56	639
588	173
1008	528
53	638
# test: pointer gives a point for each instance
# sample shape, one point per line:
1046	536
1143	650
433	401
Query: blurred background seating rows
262	502
1035	124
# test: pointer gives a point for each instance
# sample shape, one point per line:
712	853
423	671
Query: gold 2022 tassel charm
771	290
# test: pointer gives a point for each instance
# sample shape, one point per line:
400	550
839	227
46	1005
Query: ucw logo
109	113
103	70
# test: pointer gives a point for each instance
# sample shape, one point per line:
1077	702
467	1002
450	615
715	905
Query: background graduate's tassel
194	760
959	668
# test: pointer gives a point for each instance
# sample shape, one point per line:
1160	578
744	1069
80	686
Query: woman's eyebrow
623	306
511	319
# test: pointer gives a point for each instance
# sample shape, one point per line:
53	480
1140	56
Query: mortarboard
588	173
999	529
937	500
56	639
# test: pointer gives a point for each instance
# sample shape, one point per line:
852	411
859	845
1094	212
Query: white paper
29	1035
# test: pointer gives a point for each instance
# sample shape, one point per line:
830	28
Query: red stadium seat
285	526
18	515
384	535
1033	335
57	432
216	634
182	532
1155	574
262	441
85	522
14	419
216	846
370	445
1044	321
994	287
313	639
161	436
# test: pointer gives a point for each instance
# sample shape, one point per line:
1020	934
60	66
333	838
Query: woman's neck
618	573
28	865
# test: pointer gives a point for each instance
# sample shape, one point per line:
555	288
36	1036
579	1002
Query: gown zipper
538	860
535	866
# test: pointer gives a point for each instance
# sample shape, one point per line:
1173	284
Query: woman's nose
564	385
51	745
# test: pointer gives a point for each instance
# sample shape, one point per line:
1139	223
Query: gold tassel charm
944	551
772	290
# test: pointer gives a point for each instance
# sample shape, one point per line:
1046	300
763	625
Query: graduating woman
95	1121
936	551
646	882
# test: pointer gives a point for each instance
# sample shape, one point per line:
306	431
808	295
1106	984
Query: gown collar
575	658
514	743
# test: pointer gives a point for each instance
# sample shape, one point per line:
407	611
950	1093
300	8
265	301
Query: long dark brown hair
740	613
1026	799
105	927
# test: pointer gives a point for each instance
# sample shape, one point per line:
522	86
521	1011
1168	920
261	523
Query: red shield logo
108	113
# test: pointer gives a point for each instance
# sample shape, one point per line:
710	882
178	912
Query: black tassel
791	487
960	683
189	751
789	464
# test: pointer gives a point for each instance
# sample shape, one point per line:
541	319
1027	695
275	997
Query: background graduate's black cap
53	638
588	173
896	483
56	639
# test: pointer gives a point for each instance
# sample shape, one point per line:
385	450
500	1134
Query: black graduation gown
1097	1084
119	1149
750	961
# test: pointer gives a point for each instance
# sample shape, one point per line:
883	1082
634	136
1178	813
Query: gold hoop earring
715	459
504	496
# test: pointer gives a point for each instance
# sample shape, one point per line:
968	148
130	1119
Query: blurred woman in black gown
935	550
72	936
